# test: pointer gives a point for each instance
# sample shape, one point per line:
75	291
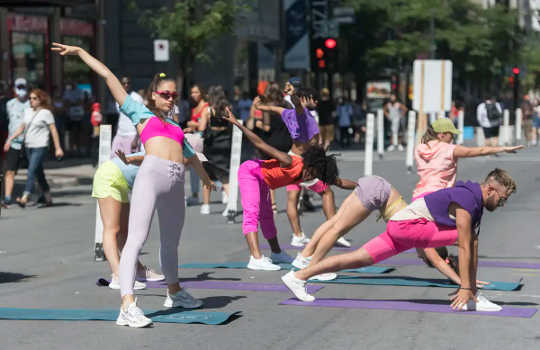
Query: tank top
275	176
196	116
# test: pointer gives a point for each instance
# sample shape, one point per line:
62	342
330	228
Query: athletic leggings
256	201
402	235
159	185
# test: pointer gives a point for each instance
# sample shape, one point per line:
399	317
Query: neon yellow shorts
110	182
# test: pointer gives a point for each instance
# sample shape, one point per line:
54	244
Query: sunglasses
167	94
502	199
21	86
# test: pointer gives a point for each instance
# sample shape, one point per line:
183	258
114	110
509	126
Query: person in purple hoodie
439	219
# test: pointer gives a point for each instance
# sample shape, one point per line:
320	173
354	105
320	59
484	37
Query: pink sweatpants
402	235
256	201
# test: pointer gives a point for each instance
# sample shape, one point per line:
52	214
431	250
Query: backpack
493	113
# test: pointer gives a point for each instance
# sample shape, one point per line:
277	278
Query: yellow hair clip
162	75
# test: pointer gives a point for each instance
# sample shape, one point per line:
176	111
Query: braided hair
321	165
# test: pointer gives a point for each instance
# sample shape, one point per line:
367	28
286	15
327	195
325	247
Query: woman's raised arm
116	88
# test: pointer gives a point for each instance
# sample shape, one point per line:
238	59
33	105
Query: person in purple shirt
439	219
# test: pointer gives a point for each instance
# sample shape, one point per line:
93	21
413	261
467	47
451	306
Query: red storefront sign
22	23
76	27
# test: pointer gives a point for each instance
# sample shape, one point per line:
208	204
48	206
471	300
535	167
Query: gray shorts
373	191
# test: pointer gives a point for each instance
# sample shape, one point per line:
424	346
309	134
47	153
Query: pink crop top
155	127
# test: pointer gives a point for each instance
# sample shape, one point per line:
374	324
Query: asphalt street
47	262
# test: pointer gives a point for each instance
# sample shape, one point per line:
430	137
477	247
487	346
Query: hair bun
162	75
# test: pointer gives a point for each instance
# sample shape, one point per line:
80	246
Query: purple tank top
301	127
467	195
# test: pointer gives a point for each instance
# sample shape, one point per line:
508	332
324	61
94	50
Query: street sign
161	50
432	91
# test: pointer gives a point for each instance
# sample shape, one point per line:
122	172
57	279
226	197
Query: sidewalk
70	172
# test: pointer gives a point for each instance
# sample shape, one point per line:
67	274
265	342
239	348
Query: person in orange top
257	177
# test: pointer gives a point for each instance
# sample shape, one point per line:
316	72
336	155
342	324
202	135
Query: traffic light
515	85
324	54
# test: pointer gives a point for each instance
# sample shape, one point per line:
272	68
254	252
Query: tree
190	25
482	43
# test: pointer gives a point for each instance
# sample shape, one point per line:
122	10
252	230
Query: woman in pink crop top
255	182
159	185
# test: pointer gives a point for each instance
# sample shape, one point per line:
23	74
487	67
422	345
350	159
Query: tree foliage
482	43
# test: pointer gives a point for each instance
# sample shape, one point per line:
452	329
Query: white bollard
432	117
442	114
480	137
105	136
461	119
236	154
380	133
368	155
503	129
519	121
411	126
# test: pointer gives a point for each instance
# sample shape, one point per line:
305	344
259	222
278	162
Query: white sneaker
192	200
390	148
297	286
225	212
133	316
205	209
400	148
115	284
264	264
224	197
182	299
299	241
300	262
324	277
282	257
149	275
342	241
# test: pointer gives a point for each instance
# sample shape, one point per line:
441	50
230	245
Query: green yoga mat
242	265
163	316
416	282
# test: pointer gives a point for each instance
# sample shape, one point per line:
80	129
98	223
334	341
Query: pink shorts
319	187
402	235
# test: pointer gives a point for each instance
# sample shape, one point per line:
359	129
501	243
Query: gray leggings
159	185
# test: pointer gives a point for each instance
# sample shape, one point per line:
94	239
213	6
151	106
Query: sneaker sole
172	306
285	281
263	269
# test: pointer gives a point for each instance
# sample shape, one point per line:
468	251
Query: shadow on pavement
218	302
205	276
10	277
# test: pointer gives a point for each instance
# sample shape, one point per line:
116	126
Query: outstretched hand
64	50
513	149
229	116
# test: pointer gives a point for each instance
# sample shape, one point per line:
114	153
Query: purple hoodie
468	195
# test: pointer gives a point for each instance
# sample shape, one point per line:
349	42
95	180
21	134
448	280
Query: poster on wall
377	92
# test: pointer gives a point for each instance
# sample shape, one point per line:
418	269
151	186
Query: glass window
76	70
28	57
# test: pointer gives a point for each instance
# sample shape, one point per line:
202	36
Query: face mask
21	93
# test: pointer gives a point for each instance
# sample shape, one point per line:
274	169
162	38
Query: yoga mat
255	287
291	247
163	316
408	306
481	263
242	265
415	282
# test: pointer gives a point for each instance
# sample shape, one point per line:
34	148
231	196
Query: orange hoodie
436	165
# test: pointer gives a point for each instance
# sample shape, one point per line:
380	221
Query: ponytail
429	135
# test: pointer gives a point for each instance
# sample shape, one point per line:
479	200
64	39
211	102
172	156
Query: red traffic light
515	70
319	53
330	43
321	63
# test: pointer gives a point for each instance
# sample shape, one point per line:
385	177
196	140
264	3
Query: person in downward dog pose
159	185
371	193
257	177
304	132
440	218
436	162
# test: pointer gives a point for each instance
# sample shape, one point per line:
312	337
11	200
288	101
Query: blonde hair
503	178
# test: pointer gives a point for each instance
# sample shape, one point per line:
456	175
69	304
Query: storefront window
77	71
28	57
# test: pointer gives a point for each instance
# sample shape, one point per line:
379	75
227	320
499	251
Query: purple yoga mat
256	287
481	263
407	306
